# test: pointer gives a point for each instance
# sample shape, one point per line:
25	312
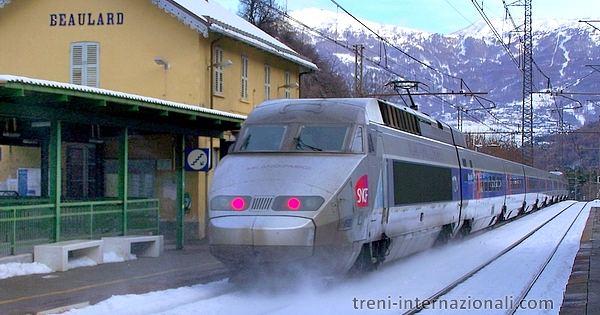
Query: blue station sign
197	159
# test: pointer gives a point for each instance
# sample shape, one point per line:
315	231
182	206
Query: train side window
464	162
357	145
471	163
416	183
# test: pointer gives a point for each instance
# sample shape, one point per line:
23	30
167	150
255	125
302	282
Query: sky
441	16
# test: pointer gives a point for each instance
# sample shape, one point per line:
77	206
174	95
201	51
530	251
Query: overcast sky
441	16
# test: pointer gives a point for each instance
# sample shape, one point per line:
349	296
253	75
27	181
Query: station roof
209	16
37	101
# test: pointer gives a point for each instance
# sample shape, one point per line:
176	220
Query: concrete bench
56	255
140	245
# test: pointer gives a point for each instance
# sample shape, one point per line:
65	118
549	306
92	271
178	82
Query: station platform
582	295
39	293
35	294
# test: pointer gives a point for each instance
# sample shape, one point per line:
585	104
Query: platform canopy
27	104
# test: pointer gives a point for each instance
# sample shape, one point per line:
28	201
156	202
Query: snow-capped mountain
472	59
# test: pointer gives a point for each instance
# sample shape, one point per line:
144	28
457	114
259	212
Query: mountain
471	59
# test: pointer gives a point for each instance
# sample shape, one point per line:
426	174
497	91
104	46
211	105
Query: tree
264	14
269	17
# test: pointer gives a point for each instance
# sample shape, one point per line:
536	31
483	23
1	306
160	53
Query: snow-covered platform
174	268
582	295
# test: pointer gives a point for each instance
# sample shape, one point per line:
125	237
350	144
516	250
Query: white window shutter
85	63
267	82
77	63
244	92
218	71
92	74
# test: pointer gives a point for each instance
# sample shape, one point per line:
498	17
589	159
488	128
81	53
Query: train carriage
516	191
330	185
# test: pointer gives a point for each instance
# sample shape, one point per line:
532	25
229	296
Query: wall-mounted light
40	124
30	141
294	85
222	64
161	62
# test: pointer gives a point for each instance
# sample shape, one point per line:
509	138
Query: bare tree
269	17
264	14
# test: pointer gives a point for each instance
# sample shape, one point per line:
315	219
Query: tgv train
334	185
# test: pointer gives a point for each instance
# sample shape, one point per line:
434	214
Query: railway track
482	260
508	304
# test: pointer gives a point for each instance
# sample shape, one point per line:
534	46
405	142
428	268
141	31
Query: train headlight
297	203
231	203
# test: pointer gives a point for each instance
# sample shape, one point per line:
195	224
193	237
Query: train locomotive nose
261	239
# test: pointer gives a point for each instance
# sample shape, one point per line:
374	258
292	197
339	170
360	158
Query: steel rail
448	288
524	293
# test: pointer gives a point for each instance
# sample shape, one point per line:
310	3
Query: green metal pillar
124	174
180	204
55	182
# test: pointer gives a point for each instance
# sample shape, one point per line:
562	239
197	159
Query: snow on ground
14	269
22	269
493	293
379	292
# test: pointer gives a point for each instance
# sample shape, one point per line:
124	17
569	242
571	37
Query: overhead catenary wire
493	29
385	40
385	65
392	45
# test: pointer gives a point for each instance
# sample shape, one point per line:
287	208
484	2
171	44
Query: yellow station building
194	65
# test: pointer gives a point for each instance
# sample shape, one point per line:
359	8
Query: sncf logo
362	192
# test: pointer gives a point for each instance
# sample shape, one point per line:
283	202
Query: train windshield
262	138
320	138
298	137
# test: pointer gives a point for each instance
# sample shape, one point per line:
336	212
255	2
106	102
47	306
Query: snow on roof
199	13
196	22
205	15
74	87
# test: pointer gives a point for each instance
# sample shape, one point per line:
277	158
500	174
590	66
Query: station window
218	71
267	82
85	63
244	92
287	80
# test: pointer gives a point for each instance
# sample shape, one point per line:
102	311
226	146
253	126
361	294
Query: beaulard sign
90	19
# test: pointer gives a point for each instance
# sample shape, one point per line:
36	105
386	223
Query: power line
386	68
385	40
493	29
392	45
